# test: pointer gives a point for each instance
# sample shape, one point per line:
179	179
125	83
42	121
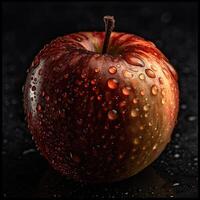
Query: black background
28	26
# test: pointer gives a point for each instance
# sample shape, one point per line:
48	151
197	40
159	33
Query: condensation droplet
33	88
112	70
127	74
146	115
136	141
154	68
142	93
163	101
112	83
146	107
133	60
141	76
150	124
134	113
39	108
155	147
141	127
154	90
126	90
160	80
135	101
97	70
150	73
163	92
112	114
93	82
122	104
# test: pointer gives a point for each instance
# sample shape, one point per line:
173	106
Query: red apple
101	115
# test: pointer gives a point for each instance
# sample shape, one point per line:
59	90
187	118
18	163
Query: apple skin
101	118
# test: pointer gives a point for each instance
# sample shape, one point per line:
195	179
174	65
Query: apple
101	106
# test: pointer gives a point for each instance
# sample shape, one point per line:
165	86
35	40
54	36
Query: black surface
28	26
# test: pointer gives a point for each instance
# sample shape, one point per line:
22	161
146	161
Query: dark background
28	26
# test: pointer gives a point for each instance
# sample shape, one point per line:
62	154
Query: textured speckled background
28	26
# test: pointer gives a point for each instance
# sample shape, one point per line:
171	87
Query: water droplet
127	74
39	108
160	80
146	107
150	124
112	83
126	90
122	104
150	73
142	93
154	90
93	82
146	115
47	98
154	68
40	72
163	101
135	101
136	141
112	114
166	73
155	147
97	70
133	60
141	127
78	39
192	118
134	113
99	97
163	92
66	76
141	76
33	88
112	70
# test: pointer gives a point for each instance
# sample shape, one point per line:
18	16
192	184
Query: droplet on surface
33	88
146	115
166	73
39	108
146	107
122	104
112	83
150	124
154	90
141	127
163	101
126	90
136	141
127	74
163	92
134	113
93	82
75	158
97	70
155	147
160	80
142	93
135	101
112	70
154	68
150	73
133	60
141	76
112	114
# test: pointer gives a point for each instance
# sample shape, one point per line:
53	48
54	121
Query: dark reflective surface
27	27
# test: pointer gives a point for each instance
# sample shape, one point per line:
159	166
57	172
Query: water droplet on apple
97	70
78	39
33	88
136	141
99	97
112	83
40	72
134	113
47	98
150	73
163	92
155	147
93	82
154	68
142	93
154	90
112	70
127	74
150	124
163	101
141	76
160	80
135	101
146	107
133	60
141	127
126	90
75	158
122	104
112	114
146	115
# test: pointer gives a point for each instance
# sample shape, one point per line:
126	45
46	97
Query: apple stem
109	26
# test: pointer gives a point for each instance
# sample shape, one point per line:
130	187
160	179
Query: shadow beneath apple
145	184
